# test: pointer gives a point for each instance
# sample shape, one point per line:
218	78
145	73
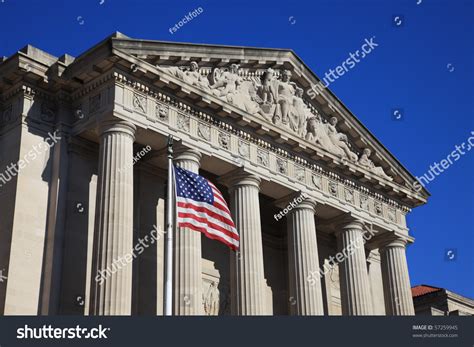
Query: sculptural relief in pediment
273	97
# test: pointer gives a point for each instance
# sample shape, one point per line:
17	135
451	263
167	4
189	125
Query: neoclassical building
320	204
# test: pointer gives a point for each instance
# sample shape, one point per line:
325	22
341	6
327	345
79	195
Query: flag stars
192	186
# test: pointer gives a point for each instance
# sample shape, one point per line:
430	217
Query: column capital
182	153
393	241
117	126
240	177
348	222
301	200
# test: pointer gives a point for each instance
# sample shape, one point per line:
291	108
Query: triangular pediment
252	80
270	92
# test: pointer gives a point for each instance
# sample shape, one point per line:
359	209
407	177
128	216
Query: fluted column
247	275
113	241
303	264
396	281
187	286
355	286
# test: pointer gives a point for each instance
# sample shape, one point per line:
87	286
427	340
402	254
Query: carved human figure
317	133
265	91
193	77
174	71
245	97
339	139
368	164
299	113
312	129
211	300
283	91
233	89
265	97
226	84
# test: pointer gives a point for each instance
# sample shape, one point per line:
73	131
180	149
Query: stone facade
81	227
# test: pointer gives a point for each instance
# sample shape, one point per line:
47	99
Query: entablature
157	81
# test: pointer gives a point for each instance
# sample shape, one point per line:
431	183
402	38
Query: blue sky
423	67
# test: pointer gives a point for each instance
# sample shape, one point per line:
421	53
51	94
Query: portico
242	121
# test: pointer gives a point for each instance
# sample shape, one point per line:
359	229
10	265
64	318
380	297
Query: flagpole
169	232
237	281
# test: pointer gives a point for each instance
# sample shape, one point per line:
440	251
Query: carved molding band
184	118
181	117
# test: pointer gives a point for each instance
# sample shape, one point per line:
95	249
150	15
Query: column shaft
396	281
247	273
113	240
355	286
305	285
187	286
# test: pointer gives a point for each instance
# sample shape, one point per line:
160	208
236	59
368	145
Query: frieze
282	166
364	202
172	101
281	117
184	112
224	140
263	158
139	103
378	208
299	174
183	122
204	131
244	149
316	180
391	214
333	188
161	112
349	195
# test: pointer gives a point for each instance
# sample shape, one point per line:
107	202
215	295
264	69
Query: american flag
201	207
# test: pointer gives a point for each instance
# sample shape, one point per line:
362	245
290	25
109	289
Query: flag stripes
201	207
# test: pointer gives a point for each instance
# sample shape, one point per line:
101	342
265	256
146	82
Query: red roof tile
423	289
